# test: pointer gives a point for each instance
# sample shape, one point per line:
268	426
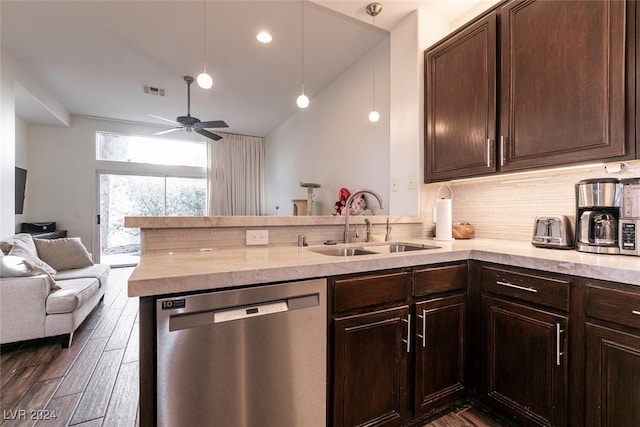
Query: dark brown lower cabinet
398	343
370	368
440	351
612	355
613	377
526	362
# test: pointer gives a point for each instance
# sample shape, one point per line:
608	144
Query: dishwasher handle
228	314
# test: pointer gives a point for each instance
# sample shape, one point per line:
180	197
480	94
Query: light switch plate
395	184
411	182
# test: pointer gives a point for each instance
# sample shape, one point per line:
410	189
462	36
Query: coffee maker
598	215
630	217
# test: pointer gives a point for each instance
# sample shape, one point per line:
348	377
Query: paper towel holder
443	222
440	188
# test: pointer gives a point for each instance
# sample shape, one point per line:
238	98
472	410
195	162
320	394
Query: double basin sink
373	248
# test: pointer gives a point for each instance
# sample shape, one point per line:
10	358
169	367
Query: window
145	149
153	177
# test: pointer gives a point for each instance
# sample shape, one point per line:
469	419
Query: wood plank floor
92	383
95	382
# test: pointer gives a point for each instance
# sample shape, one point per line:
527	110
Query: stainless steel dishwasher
247	357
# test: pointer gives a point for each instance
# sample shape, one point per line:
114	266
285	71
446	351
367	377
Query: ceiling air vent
152	90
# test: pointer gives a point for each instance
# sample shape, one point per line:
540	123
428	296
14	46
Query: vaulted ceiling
96	56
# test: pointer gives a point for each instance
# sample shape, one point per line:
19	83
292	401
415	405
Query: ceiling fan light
205	81
374	116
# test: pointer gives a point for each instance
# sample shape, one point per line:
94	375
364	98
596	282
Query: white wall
7	145
332	142
63	173
12	74
22	161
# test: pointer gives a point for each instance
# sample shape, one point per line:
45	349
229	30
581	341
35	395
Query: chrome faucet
348	205
368	223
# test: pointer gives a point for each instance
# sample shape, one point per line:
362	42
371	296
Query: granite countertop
161	273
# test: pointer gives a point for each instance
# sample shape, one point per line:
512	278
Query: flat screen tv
21	185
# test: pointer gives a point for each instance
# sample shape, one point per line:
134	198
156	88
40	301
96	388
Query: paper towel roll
443	219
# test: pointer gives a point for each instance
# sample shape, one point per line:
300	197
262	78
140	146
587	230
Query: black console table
58	234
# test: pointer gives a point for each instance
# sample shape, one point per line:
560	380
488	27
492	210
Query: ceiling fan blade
213	124
208	134
162	118
168	131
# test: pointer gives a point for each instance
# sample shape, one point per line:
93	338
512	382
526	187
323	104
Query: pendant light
374	9
302	100
204	80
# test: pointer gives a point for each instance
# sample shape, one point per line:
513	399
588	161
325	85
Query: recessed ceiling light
264	37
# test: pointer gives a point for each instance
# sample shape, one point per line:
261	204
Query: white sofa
47	288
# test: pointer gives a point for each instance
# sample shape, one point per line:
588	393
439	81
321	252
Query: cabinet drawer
534	288
614	305
441	279
367	291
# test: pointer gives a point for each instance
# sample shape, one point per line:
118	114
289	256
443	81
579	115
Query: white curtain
236	175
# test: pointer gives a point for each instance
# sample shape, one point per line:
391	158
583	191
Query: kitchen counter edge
165	273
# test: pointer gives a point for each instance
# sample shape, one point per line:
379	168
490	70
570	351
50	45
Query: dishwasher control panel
236	313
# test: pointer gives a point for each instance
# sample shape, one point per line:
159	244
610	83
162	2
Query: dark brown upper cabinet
565	91
460	98
563	82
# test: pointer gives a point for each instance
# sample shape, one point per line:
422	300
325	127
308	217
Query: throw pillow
5	247
63	254
14	266
24	247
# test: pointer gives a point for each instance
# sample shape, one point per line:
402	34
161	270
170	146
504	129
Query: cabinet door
461	104
370	368
526	362
562	82
440	351
613	377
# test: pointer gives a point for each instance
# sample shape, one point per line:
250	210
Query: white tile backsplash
505	206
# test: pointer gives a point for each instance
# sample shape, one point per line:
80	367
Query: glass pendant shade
374	116
204	80
302	101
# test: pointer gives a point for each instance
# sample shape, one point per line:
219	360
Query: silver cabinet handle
501	150
511	285
424	328
558	352
408	340
636	312
488	152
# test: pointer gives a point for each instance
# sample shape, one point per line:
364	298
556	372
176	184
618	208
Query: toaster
552	231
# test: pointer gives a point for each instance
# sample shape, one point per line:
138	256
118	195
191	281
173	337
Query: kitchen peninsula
191	255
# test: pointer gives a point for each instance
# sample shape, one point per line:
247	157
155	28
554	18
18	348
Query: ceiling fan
190	123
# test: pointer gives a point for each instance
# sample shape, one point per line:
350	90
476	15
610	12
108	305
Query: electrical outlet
257	237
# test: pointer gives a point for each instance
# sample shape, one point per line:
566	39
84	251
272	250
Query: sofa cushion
24	247
13	266
97	271
63	254
73	293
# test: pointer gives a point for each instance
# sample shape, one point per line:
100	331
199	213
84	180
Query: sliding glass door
123	195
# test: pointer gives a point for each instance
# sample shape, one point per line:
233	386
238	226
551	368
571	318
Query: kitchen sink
408	247
342	251
374	248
